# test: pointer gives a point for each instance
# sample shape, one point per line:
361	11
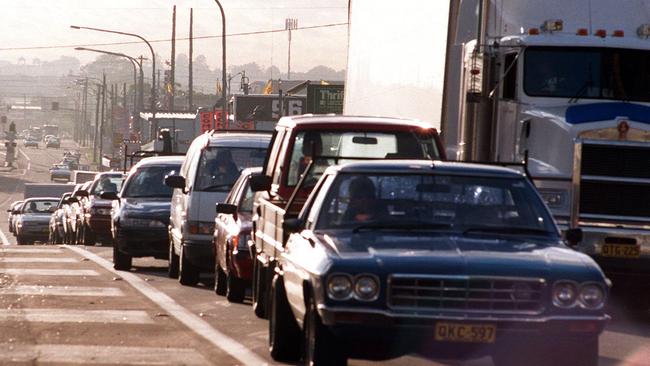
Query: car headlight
554	198
129	222
366	287
199	227
339	287
592	296
565	294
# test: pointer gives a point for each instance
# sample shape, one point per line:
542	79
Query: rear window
107	184
39	207
219	167
149	182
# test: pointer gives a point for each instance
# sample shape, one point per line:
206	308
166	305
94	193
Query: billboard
323	99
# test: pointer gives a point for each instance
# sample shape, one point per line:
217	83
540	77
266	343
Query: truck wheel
258	291
188	274
220	285
320	346
284	333
172	269
121	261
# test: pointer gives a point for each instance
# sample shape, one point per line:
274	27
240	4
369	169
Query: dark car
13	211
232	231
31	141
140	214
60	172
32	224
96	212
57	220
52	142
442	259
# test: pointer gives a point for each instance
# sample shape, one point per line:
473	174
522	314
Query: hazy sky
40	24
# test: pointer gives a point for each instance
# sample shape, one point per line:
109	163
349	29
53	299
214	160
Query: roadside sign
323	99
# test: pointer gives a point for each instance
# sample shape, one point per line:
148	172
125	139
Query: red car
96	215
232	231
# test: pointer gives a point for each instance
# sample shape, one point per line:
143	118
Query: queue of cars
355	239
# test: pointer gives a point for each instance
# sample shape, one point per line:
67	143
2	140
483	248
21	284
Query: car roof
42	199
423	166
239	139
306	119
161	160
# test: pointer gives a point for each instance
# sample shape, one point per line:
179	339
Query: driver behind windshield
363	204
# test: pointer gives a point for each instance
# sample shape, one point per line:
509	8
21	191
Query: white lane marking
49	272
31	250
29	160
3	238
192	321
62	291
76	316
105	355
37	260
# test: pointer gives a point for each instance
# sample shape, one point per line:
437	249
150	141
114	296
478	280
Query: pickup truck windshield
361	145
462	204
219	167
591	73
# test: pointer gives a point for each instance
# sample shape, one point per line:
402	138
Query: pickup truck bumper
145	242
200	254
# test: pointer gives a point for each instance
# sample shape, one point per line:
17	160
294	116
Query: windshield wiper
585	86
506	230
217	187
408	225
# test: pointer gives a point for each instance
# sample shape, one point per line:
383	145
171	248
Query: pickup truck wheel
121	261
284	333
258	291
172	268
320	346
220	286
188	274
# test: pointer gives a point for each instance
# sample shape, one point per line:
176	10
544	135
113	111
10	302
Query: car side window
247	199
313	205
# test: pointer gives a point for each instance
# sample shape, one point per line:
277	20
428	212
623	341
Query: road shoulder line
192	321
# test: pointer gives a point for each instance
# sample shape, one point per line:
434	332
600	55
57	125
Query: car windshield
594	73
361	145
108	183
461	204
219	167
43	207
149	182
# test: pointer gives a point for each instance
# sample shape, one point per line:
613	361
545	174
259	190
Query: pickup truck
302	147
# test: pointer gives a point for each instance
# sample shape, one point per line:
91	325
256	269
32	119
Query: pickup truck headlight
128	222
366	287
592	296
554	198
339	287
565	294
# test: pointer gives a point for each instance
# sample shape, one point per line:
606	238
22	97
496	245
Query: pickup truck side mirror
228	209
260	182
175	181
108	195
573	236
293	225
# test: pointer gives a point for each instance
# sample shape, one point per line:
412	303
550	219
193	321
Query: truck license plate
472	333
620	251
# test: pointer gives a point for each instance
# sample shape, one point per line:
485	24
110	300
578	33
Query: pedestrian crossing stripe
62	291
48	272
76	316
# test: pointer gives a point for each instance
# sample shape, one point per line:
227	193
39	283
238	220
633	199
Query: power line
169	40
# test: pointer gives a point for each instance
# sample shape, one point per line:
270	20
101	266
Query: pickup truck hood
467	255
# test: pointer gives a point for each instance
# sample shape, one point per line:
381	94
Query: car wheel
188	274
121	261
88	237
284	333
219	281
236	287
172	268
320	346
20	240
258	291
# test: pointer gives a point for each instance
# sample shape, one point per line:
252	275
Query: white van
212	165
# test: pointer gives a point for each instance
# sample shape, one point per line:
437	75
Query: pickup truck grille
613	177
466	294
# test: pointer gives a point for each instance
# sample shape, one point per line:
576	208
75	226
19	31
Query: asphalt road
66	305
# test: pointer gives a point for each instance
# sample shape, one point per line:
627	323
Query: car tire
188	274
88	237
236	288
259	307
284	333
121	261
220	284
320	346
20	240
172	268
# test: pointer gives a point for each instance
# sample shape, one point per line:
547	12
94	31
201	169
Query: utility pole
101	122
289	25
84	123
191	81
173	66
99	94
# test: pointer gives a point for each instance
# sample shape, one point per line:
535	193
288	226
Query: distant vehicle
53	142
31	141
75	214
140	217
14	209
96	212
232	231
33	221
60	172
82	176
211	167
51	130
46	189
57	230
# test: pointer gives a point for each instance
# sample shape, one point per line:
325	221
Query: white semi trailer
561	84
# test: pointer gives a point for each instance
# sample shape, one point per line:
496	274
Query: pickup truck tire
188	274
121	261
220	285
320	346
284	333
172	268
259	302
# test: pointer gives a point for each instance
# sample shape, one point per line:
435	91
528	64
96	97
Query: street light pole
153	60
290	24
224	80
